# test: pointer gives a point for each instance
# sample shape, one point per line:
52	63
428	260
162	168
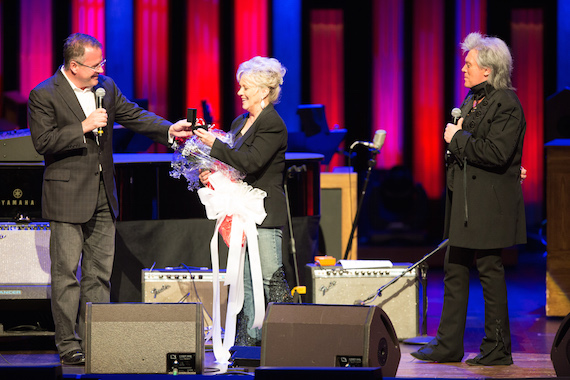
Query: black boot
447	347
496	346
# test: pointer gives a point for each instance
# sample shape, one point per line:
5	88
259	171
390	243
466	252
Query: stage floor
532	332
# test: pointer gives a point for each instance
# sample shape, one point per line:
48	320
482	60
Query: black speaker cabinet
24	261
144	338
308	335
560	354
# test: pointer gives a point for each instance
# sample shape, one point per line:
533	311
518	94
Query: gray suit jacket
72	159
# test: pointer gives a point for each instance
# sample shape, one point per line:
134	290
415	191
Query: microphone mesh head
379	138
100	92
456	112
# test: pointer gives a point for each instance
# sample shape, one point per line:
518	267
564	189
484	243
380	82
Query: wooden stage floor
532	332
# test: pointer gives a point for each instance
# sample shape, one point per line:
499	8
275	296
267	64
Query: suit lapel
66	92
253	127
238	141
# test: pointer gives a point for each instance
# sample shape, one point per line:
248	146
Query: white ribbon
245	204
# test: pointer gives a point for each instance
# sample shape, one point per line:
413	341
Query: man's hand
451	130
97	119
181	128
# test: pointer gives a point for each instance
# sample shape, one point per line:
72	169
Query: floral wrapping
191	156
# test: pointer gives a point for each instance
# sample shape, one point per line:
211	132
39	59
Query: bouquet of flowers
192	156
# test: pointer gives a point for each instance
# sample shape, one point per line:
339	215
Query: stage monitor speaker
149	338
24	261
560	354
308	335
175	285
336	285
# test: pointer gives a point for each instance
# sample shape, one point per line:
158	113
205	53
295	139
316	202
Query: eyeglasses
94	68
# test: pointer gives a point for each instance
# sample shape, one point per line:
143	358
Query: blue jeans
269	240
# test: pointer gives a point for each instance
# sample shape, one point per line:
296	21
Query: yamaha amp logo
17	199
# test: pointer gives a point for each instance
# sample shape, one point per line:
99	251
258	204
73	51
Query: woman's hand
205	136
204	177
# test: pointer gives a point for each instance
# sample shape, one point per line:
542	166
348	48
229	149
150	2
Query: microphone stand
292	169
371	164
424	338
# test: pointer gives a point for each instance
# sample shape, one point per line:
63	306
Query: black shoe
477	360
74	357
426	358
421	356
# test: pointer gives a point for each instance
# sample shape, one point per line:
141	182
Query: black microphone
99	95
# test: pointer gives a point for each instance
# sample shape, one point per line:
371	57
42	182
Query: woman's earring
262	103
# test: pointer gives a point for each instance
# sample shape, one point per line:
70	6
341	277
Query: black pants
496	345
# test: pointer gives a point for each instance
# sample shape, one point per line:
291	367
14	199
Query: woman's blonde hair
264	72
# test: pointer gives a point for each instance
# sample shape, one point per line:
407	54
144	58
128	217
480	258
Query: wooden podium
558	231
339	201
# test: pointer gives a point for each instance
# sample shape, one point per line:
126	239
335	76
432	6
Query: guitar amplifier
180	285
25	261
400	301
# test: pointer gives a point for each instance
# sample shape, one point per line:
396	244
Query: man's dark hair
74	47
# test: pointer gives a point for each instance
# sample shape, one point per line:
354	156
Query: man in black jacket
484	203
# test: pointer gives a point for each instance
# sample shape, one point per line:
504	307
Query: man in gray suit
79	195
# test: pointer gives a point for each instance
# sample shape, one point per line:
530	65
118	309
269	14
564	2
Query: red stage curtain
251	35
388	79
527	36
36	46
151	57
470	16
327	67
151	52
203	56
427	95
88	16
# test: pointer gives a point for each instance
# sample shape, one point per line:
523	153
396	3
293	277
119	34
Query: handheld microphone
99	95
456	115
